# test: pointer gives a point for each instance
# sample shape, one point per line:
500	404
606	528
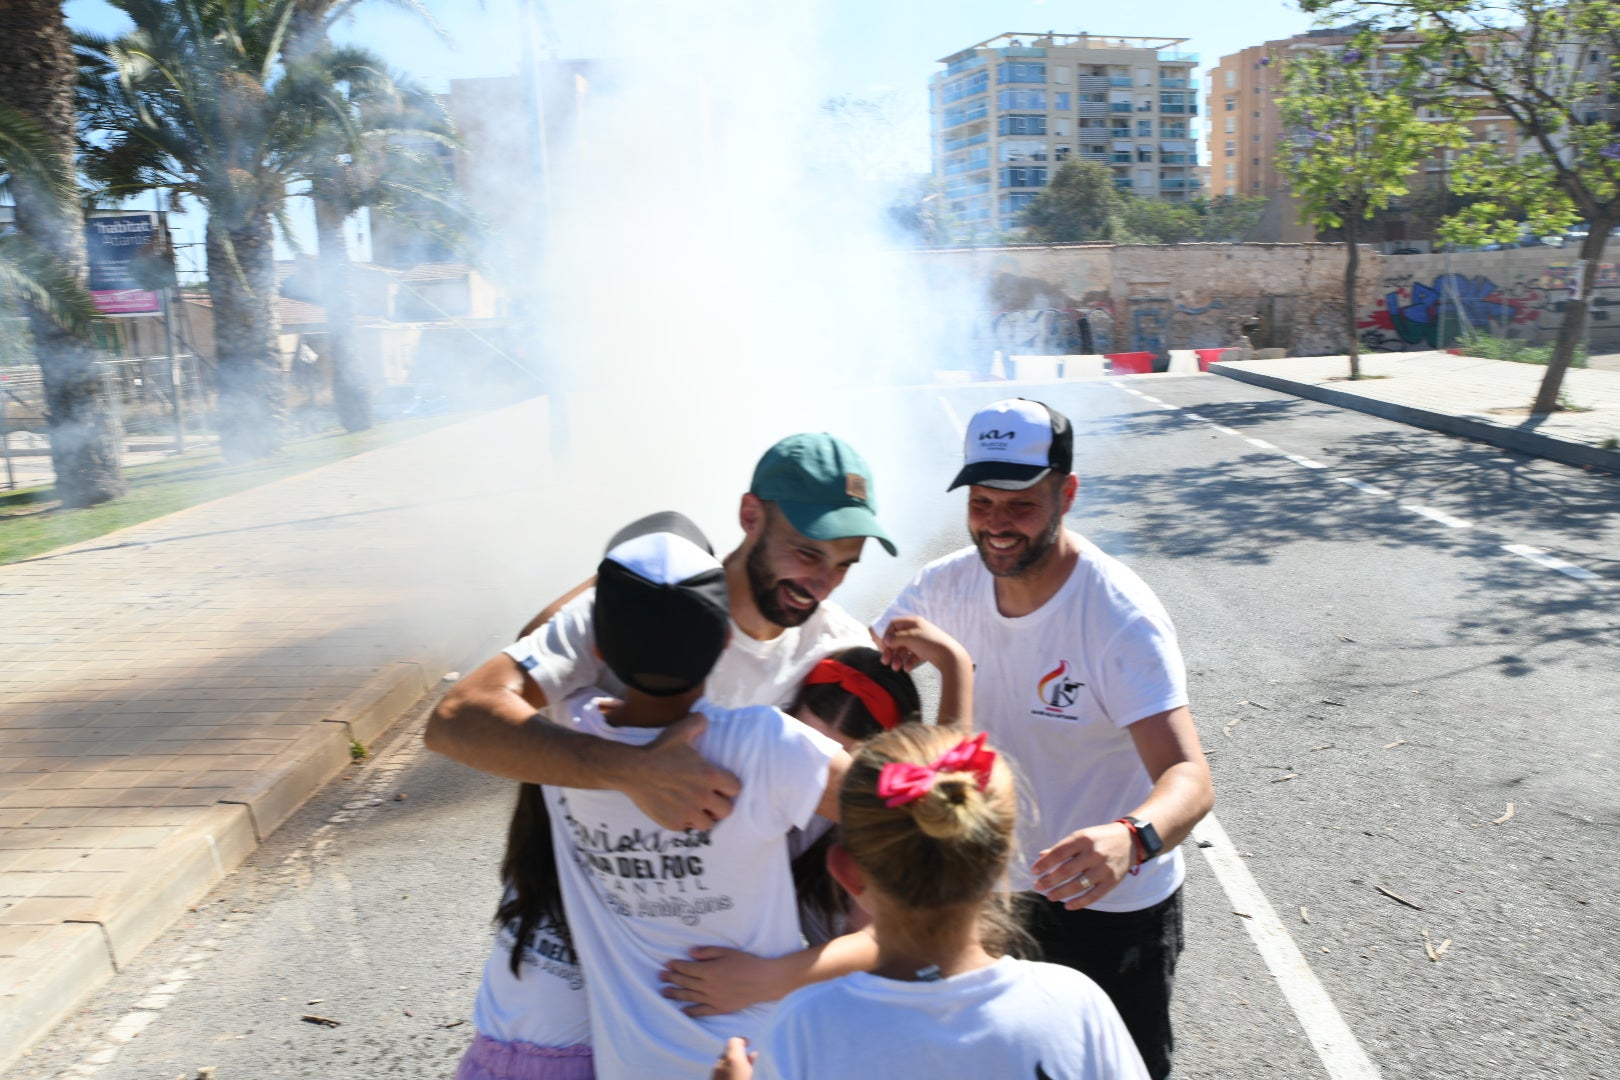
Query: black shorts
1130	954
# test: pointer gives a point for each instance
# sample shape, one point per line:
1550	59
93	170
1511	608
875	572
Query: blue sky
855	47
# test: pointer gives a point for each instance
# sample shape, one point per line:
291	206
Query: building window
1060	102
1230	78
1231	147
1020	73
1231	170
1255	137
1231	103
1023	176
1021	99
1061	154
1015	203
1144	129
1010	124
1231	125
966	87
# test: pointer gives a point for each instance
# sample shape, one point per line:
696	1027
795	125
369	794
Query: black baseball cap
661	615
1014	444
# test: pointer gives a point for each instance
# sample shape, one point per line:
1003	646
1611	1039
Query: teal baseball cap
822	486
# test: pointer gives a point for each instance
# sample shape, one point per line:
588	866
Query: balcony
1178	109
1119	133
958	117
1120	159
1091	82
1174	84
966	63
966	141
1091	108
1119	107
1119	80
1093	155
1123	182
1169	57
1179	159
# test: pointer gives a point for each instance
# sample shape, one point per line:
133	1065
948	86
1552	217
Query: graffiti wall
1153	298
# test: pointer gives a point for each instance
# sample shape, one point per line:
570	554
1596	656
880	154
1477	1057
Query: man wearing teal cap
806	517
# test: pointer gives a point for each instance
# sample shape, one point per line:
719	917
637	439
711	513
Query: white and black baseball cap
661	615
1013	444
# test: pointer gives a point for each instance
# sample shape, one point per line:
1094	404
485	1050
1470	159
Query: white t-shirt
1056	689
560	656
638	896
546	1006
1013	1019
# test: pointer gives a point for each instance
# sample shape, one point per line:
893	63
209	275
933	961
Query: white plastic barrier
1085	366
1034	368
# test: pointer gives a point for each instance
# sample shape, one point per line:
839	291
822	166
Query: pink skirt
491	1059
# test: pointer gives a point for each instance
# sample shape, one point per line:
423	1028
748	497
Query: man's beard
1035	549
768	593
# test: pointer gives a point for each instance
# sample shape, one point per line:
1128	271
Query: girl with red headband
927	820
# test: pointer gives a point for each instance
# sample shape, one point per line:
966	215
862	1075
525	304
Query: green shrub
1490	347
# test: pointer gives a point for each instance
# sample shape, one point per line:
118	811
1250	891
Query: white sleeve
911	601
794	766
1142	669
560	656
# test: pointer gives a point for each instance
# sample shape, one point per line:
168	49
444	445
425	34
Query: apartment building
1008	111
1245	124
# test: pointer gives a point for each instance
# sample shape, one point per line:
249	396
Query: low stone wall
1153	298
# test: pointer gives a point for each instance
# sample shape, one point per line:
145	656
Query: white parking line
1362	486
1551	562
1438	515
950	414
1305	461
1261	443
1222	428
1198	416
1320	1019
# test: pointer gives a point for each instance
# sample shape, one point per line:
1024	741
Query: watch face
1150	838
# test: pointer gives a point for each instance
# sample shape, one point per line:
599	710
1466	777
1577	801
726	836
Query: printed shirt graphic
638	895
1056	690
1014	1019
546	1005
559	656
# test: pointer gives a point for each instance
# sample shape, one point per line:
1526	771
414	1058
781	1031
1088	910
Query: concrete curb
1509	438
96	938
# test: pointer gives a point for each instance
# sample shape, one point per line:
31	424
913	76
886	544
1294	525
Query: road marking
1551	562
950	414
1305	461
1222	427
1330	1036
1198	416
1363	487
1261	443
1438	515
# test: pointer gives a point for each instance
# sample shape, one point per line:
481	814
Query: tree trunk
351	389
1352	263
248	354
37	78
1573	331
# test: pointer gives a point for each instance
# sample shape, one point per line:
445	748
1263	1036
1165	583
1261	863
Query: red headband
878	701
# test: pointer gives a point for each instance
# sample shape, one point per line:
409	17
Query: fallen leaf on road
1243	914
1211	843
401	797
1440	949
314	1001
1227	730
1505	816
1256	704
1324	746
1305	914
1430	948
409	1013
1393	745
1398	898
453	1023
323	1021
1346	637
1280	779
1330	701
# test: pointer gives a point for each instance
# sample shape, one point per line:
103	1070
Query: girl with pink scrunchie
927	818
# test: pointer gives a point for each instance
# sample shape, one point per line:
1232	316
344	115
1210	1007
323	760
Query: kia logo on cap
994	434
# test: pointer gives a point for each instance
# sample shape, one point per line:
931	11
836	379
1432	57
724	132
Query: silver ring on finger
1086	884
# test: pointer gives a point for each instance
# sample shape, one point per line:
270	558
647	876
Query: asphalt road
1378	687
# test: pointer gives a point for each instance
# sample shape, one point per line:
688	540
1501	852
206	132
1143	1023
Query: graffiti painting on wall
1052	331
1434	316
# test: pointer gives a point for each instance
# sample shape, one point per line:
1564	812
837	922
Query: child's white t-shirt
1014	1018
1056	690
546	1005
638	896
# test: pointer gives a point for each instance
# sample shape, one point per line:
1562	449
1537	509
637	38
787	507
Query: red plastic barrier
1207	357
1130	363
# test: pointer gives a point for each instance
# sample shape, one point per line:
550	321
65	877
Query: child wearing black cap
636	894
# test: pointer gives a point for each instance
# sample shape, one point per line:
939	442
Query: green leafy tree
1357	139
1158	221
1081	204
1550	67
45	256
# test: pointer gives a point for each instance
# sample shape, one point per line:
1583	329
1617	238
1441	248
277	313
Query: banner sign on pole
113	242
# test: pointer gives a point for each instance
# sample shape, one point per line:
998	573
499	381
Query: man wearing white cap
1078	678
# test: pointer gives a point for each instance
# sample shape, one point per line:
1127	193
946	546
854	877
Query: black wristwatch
1146	835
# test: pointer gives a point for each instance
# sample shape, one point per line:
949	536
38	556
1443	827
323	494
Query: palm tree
47	254
377	149
193	100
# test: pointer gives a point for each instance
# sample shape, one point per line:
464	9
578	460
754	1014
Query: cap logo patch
1006	436
855	486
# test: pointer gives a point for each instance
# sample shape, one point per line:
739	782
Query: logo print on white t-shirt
1057	690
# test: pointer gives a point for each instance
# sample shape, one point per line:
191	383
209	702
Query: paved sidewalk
170	693
1461	395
